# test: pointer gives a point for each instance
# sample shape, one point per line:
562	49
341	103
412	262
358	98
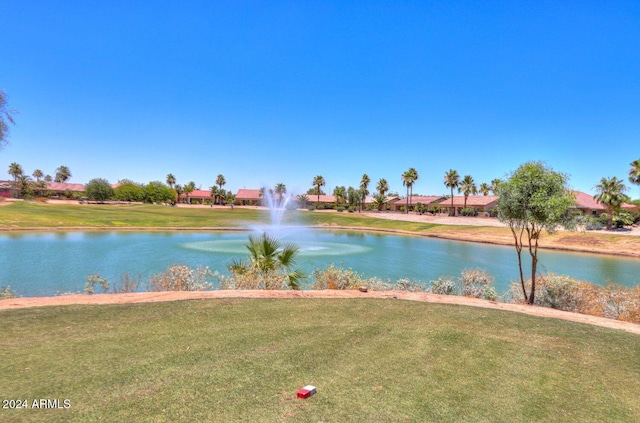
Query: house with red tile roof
196	196
480	203
248	197
589	206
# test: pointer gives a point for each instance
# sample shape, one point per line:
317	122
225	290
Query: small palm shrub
268	264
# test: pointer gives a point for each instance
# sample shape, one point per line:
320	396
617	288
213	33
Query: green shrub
6	292
311	207
444	285
340	208
469	211
182	278
91	282
333	277
476	283
405	284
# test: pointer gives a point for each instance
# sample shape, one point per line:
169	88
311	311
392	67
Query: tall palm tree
494	186
484	188
280	189
408	179
16	171
634	172
364	184
382	187
63	174
318	182
171	180
24	185
37	174
220	181
188	189
611	195
179	191
452	180
48	178
467	187
214	193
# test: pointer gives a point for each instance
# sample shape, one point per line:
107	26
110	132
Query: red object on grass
306	392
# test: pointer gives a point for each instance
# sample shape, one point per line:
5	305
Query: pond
40	264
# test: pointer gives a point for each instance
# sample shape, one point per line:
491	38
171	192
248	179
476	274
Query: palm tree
611	195
215	192
364	184
634	172
48	178
220	181
171	180
318	182
467	187
408	179
23	185
280	189
188	189
266	257
179	191
340	194
484	188
37	174
452	180
382	187
63	174
5	113
16	171
495	183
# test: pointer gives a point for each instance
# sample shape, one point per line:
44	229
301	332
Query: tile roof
472	200
197	193
248	194
586	201
62	186
425	199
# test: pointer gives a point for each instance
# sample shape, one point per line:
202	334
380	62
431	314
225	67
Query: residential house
480	203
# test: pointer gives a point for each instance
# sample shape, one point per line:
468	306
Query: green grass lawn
371	361
39	215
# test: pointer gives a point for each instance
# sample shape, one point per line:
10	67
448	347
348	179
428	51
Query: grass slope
371	360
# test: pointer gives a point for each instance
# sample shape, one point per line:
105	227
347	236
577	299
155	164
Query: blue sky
281	91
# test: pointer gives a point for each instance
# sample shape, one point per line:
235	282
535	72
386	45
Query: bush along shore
559	292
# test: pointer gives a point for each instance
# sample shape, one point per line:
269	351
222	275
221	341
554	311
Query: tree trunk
518	245
609	218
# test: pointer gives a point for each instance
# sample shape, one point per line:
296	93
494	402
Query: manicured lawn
371	360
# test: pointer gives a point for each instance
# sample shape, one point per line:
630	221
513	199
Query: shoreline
165	296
